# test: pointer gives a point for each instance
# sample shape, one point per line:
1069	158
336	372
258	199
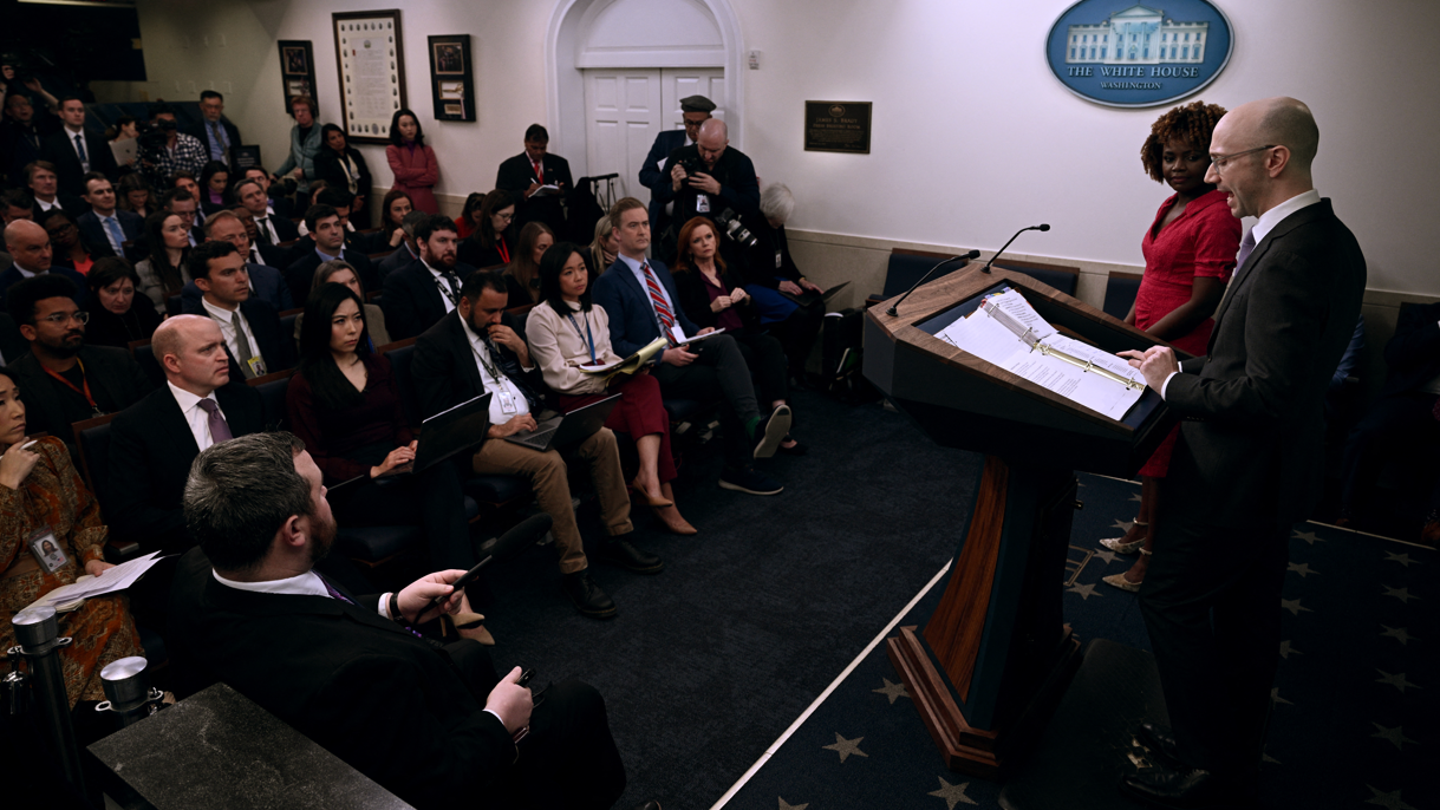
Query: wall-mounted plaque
297	69
837	126
452	77
371	64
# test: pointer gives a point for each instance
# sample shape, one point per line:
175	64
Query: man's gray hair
240	493
409	222
777	203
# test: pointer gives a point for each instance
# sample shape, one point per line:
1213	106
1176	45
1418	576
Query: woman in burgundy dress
1189	257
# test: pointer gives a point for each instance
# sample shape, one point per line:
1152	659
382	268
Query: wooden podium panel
991	663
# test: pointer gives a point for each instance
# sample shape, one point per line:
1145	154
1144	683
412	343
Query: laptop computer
460	428
567	429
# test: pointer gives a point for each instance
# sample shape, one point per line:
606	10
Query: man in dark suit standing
250	326
214	132
1249	461
153	442
436	727
63	381
527	174
31	256
420	295
77	151
328	232
104	228
694	111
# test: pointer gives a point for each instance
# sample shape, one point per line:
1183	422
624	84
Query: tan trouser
546	472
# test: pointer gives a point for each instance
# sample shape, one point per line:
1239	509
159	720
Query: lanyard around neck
83	379
588	336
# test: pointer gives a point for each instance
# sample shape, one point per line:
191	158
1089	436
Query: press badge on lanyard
508	405
702	204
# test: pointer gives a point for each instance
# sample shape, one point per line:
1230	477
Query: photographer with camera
164	150
706	179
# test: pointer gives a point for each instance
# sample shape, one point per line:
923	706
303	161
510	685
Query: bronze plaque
837	126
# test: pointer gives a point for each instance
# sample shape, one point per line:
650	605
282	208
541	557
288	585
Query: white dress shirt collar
195	417
306	584
1276	215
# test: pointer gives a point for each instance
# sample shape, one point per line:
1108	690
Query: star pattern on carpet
1403	559
1085	591
1395	735
1398	680
846	747
952	794
1294	606
1397	633
1391	801
1276	699
1135	496
1286	650
892	690
1122	525
1266	758
1107	555
1403	594
786	806
1303	569
1309	537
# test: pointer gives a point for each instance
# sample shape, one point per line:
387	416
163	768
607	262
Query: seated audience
214	187
280	204
770	276
44	185
412	161
393	209
344	404
179	153
342	167
162	270
153	442
305	143
213	131
273	229
476	349
566	331
250	326
493	242
40	492
135	195
643	304
75	150
528	177
30	256
117	315
604	250
523	274
465	223
68	247
328	229
435	727
406	252
266	283
418	296
712	296
186	181
16	204
343	274
105	228
63	380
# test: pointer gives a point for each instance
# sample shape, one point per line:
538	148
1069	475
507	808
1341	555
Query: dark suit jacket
1413	354
652	176
445	373
21	146
397	709
515	176
116	383
399	259
12	276
632	320
151	448
739	189
300	274
201	131
266	283
412	301
1252	448
72	205
92	231
284	226
328	168
13	345
60	150
274	345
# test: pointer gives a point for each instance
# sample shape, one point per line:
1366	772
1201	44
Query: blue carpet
1355	702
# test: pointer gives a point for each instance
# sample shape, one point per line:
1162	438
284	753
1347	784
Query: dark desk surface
217	749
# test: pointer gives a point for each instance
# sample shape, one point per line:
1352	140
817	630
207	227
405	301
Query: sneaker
771	431
750	482
587	596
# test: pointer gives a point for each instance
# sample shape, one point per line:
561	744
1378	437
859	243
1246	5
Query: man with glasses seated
62	380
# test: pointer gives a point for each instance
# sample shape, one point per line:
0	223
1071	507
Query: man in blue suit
266	283
640	298
694	111
105	229
30	255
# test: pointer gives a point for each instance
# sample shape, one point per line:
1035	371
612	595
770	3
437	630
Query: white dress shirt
224	317
442	284
70	135
195	416
496	386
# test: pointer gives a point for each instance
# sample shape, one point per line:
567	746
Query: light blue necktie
117	237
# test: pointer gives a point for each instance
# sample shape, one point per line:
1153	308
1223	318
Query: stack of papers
114	579
1007	332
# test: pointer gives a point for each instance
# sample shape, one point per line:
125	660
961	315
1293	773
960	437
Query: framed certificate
370	60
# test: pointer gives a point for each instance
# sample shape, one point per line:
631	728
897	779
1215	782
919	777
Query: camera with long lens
731	226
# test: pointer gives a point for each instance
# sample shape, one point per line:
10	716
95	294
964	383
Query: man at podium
1248	463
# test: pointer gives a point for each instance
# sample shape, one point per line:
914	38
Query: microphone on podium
964	257
986	268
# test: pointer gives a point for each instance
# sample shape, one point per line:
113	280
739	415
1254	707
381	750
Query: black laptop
452	431
567	429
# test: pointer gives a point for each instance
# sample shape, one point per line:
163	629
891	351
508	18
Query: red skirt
640	412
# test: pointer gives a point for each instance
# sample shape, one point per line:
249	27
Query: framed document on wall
371	63
452	82
297	69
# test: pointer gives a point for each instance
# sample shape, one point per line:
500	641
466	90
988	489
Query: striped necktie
657	298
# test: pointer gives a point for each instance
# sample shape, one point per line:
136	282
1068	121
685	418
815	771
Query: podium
990	664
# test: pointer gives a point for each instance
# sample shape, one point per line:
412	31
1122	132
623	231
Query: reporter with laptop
478	349
567	332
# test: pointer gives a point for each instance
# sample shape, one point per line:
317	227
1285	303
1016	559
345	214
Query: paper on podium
114	579
1033	356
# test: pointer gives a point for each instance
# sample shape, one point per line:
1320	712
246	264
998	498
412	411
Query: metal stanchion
39	635
127	685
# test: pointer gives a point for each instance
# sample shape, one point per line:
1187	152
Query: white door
626	109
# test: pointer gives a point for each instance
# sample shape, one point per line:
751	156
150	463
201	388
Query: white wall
973	136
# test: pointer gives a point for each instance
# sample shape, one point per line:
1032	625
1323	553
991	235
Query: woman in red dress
1189	257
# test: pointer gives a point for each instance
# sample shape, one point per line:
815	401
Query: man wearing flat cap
654	174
